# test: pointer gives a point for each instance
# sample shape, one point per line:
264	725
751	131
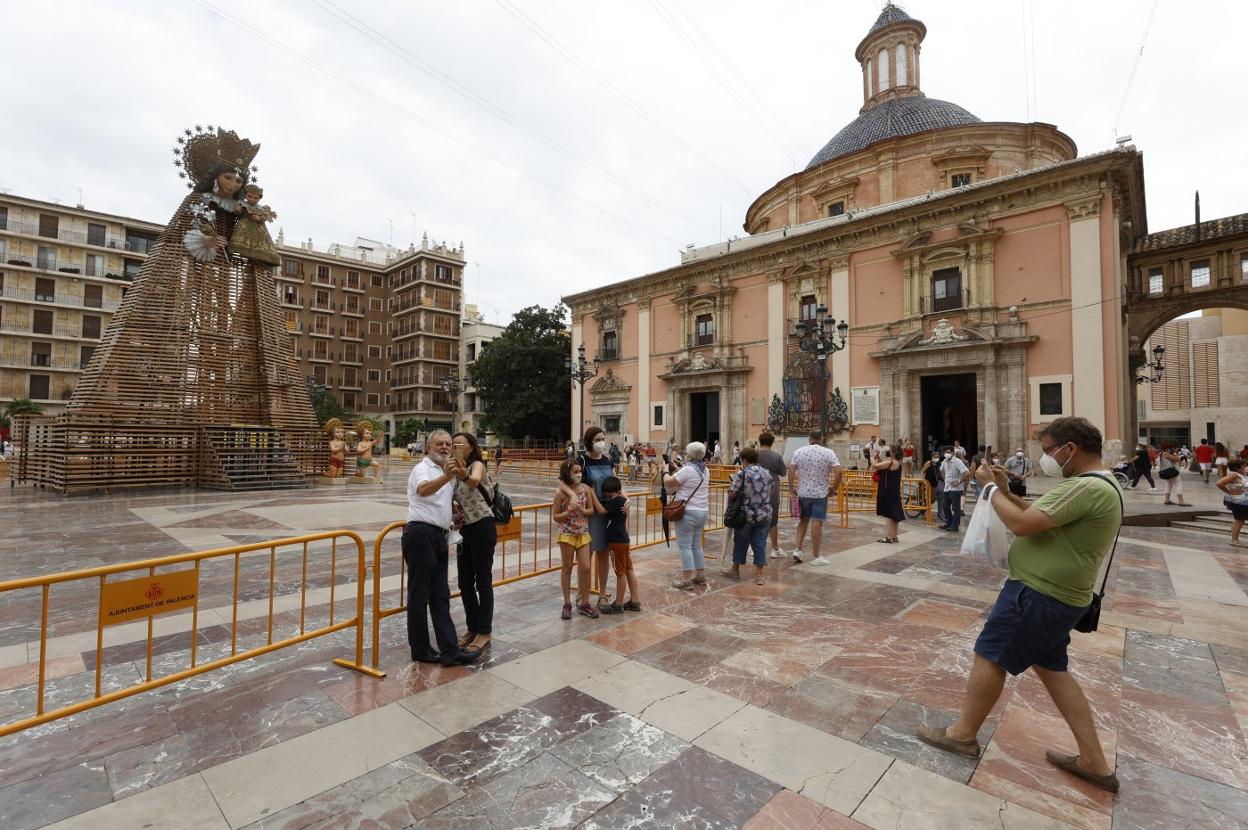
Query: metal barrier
857	494
131	600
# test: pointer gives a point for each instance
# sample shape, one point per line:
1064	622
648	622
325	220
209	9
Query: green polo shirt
1063	562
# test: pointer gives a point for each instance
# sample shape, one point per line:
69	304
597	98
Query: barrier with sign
162	591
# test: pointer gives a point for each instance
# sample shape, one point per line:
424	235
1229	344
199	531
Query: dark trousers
1137	473
952	501
1018	487
428	594
476	574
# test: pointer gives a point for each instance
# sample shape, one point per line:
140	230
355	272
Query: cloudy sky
573	144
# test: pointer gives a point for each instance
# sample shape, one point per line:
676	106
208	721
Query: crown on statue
200	149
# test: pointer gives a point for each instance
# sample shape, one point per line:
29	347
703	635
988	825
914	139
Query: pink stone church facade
977	264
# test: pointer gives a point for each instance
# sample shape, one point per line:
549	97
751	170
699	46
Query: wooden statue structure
195	381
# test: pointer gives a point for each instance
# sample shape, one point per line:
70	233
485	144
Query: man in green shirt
1059	543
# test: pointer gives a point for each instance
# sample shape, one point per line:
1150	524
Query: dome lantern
889	56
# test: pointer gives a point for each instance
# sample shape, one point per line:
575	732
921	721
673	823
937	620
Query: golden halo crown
201	148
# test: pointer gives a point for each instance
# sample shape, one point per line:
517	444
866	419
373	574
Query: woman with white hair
690	483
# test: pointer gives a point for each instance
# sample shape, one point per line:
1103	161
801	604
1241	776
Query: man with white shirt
955	474
430	490
814	471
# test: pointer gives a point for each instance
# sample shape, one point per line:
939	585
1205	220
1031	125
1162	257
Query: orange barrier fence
857	494
156	593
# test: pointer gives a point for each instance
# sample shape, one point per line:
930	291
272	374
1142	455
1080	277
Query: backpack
500	504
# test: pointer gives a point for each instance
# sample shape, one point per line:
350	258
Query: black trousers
428	593
1137	474
476	574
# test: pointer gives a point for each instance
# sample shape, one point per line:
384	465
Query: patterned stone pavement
786	705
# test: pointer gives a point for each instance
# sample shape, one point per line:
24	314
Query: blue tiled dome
891	119
890	14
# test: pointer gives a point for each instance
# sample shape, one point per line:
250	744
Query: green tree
521	378
405	433
18	406
326	406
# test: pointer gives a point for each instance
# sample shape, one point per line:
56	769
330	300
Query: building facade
976	264
63	272
476	335
376	325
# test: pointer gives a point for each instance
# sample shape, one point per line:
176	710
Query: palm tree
19	406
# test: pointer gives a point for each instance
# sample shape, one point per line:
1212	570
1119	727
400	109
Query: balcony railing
113	243
61	266
28	328
949	302
40	361
25	294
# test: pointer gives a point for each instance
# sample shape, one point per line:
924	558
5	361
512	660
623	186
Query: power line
1135	65
759	99
597	77
718	76
489	106
427	124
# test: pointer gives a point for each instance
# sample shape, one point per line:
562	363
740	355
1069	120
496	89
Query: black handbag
1092	616
500	504
1169	472
734	513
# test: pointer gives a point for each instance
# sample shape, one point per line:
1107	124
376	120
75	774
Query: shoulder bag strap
1122	515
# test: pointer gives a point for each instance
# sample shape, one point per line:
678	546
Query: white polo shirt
434	509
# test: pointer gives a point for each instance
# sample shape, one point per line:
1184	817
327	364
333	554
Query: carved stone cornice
1083	208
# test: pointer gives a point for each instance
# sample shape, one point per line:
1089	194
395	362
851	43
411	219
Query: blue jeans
952	501
689	539
750	536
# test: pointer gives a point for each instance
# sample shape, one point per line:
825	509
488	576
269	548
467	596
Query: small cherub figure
251	238
364	450
337	447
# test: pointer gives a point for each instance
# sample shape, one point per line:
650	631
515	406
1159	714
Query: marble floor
786	705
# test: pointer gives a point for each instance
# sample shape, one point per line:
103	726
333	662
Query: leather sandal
467	638
1070	763
479	644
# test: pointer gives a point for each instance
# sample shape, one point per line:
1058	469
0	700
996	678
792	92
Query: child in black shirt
616	504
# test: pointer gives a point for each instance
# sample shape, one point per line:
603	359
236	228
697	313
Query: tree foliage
521	377
326	406
18	406
406	432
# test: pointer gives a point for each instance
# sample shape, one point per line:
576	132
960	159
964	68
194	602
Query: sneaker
566	613
777	553
588	610
821	560
610	608
631	605
797	556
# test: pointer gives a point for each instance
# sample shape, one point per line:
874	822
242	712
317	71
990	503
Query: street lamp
822	335
580	372
1154	370
451	386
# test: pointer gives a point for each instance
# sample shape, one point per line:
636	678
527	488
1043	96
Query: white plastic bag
986	536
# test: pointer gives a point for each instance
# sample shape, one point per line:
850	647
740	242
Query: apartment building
476	335
377	325
63	272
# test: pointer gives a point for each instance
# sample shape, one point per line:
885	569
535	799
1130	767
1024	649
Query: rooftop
893	118
1186	234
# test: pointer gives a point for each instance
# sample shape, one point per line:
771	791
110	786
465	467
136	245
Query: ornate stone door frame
701	373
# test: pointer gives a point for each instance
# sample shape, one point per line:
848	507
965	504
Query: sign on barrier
653	504
509	532
148	596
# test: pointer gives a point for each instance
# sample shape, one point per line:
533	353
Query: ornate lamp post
451	386
580	373
822	335
1153	371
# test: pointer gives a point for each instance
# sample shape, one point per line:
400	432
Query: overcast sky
574	144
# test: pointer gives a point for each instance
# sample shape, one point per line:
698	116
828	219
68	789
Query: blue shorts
813	508
1026	628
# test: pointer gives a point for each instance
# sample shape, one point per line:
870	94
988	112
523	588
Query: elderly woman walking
753	487
689	482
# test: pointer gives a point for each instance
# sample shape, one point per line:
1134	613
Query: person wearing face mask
1060	542
1016	471
430	493
955	474
598	467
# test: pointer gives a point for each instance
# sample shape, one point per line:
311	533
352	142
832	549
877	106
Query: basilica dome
892	118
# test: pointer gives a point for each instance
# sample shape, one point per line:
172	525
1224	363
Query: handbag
1092	616
1169	472
500	504
674	510
734	512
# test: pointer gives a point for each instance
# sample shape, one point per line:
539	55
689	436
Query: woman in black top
888	492
1143	466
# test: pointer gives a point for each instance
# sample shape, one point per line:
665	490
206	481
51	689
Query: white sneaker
797	556
777	553
821	560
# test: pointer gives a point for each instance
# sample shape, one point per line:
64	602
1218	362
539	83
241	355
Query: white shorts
1206	466
1220	462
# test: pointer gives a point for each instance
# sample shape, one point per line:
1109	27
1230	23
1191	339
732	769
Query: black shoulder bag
1092	617
500	504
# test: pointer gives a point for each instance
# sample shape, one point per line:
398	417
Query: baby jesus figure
251	238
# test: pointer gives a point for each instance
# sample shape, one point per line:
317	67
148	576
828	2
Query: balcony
27	328
950	302
111	243
26	295
18	360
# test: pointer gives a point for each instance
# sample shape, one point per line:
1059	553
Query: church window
901	64
610	345
870	79
883	62
806	309
946	289
705	330
1050	399
1156	281
1200	274
959	179
836	209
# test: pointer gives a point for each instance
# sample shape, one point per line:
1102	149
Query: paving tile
943	615
640	633
837	707
54	796
894	734
277	777
1172	666
453	707
789	811
831	771
394	796
1197	738
620	753
1163	799
186	804
631	686
908	798
545	671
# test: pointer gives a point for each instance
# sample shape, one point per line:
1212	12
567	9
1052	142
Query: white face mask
948	455
576	479
600	446
1018	454
1050	466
